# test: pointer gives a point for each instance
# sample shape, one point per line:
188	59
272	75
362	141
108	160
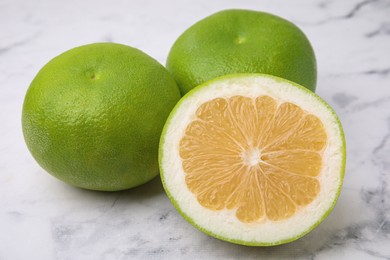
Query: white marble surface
42	218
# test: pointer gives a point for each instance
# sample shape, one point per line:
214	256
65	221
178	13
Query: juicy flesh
255	156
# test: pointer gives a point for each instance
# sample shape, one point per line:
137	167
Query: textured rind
244	242
93	115
269	44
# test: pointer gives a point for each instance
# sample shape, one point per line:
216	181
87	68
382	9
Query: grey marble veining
42	218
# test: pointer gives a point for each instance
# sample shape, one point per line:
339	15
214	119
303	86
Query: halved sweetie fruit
253	159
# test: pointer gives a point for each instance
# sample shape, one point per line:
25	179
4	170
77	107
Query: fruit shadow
144	192
148	190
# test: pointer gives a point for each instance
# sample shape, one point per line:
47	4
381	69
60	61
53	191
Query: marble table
43	218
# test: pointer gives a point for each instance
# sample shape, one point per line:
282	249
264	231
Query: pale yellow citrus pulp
256	156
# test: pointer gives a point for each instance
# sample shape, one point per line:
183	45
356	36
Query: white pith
224	223
251	157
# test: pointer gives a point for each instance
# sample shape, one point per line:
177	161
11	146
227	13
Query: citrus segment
286	118
252	159
296	162
301	189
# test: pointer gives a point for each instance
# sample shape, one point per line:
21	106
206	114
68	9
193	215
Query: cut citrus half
253	159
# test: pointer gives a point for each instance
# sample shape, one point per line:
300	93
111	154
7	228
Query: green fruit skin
92	116
242	41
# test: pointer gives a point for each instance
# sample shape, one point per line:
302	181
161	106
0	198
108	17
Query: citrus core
92	116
